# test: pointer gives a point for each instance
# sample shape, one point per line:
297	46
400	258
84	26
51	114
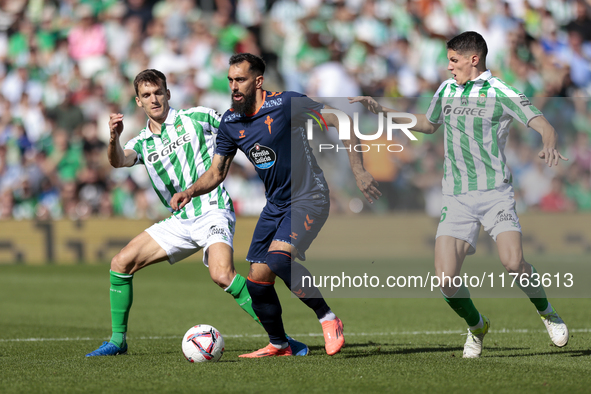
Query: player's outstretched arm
118	157
206	182
549	139
365	181
423	125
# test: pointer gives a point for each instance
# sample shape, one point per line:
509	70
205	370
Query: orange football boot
268	351
334	339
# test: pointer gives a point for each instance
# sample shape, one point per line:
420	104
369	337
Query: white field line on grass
349	334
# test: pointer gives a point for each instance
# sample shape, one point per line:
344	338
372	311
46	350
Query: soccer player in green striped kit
176	147
476	110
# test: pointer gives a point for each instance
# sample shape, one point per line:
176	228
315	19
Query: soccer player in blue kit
260	124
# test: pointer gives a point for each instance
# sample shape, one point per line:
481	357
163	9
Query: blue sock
281	263
267	307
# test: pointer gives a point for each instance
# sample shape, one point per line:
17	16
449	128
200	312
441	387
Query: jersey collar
485	76
169	121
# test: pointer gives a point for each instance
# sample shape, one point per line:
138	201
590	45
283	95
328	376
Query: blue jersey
275	141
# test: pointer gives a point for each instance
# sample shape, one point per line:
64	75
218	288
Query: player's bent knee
222	279
261	273
514	264
221	268
121	264
449	291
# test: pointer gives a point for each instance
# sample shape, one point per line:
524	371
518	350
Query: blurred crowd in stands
65	65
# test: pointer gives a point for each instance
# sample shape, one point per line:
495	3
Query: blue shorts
297	225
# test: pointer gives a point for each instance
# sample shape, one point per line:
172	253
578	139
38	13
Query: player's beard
246	106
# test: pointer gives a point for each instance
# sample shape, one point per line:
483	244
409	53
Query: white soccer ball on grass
203	343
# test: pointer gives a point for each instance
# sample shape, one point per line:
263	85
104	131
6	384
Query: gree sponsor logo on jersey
152	157
467	111
168	149
262	157
345	130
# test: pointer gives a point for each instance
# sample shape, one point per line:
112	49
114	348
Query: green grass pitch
51	316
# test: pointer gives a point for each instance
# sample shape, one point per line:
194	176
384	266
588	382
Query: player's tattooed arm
223	165
365	181
206	182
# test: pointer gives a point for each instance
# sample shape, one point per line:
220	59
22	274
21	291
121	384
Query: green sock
462	304
536	295
121	295
118	338
238	290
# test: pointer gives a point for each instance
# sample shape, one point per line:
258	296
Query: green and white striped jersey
476	118
177	157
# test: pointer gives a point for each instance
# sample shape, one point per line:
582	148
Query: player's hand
551	156
368	102
116	125
179	200
368	186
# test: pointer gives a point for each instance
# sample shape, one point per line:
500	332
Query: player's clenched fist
116	125
179	200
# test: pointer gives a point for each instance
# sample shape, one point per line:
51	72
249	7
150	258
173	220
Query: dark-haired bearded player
259	124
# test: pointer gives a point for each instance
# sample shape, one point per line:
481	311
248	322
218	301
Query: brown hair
152	76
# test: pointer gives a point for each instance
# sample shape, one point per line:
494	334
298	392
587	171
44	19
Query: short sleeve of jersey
300	108
213	120
225	146
517	105
136	145
434	113
209	119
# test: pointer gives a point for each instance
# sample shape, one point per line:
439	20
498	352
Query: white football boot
473	345
556	328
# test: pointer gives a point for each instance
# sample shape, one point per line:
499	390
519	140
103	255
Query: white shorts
462	214
180	238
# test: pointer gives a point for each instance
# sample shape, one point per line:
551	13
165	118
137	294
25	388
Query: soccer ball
203	343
